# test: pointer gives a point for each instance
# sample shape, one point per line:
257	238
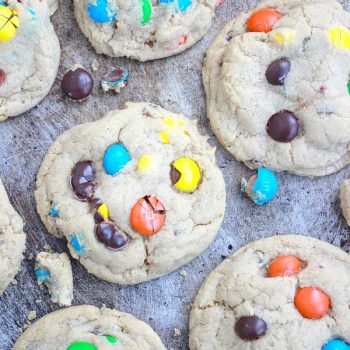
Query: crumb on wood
32	315
183	273
177	332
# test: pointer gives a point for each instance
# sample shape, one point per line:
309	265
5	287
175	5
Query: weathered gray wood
303	205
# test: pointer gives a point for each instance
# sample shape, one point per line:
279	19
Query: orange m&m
263	20
312	302
147	216
286	265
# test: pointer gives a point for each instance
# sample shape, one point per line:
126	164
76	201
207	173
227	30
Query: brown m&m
147	216
112	237
77	84
283	126
277	71
251	327
83	175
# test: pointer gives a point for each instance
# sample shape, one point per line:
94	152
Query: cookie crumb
183	273
31	315
177	332
95	66
47	247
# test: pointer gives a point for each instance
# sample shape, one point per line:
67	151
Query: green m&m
81	345
111	339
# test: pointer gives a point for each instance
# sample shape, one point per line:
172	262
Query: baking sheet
307	206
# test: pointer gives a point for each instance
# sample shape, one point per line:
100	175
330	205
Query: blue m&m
100	12
336	344
183	5
261	187
115	158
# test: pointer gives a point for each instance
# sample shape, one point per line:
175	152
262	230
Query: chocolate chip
115	75
98	217
283	126
82	176
108	234
175	175
251	327
277	71
2	77
77	84
229	36
95	202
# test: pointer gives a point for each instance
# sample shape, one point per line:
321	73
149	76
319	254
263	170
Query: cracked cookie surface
242	95
28	61
12	240
241	286
144	29
113	241
105	329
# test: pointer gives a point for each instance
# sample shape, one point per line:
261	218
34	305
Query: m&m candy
147	216
284	266
9	23
262	187
312	302
183	5
263	20
146	11
81	345
336	344
100	12
115	158
185	174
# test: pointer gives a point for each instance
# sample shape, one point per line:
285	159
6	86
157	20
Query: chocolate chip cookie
136	194
277	84
90	328
144	29
284	292
12	240
29	55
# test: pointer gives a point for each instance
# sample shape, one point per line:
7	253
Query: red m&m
284	266
312	302
263	20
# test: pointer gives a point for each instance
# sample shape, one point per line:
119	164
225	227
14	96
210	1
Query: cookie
29	55
53	6
12	241
137	194
284	292
277	85
144	29
55	271
90	328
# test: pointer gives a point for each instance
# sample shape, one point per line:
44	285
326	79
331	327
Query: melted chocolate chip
277	71
77	84
98	217
251	327
95	202
2	77
82	176
283	126
108	234
175	175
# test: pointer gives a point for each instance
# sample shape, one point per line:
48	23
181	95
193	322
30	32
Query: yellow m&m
340	37
9	23
185	174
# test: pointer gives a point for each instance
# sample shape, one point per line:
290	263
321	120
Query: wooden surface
308	206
